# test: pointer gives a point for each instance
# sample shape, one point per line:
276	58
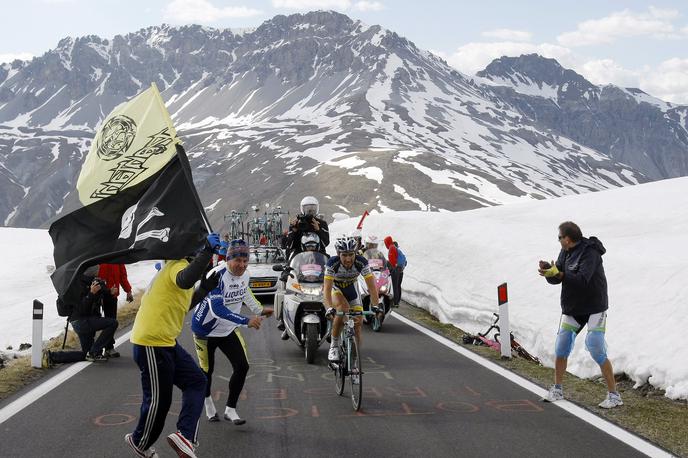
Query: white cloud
508	35
606	71
313	4
473	57
202	11
669	81
360	5
365	5
655	22
9	57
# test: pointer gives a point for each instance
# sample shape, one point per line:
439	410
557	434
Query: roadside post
37	335
504	329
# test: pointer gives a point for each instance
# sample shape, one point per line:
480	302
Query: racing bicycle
349	364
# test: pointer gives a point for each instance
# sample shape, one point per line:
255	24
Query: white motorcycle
383	283
302	301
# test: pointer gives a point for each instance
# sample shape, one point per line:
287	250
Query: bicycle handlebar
361	313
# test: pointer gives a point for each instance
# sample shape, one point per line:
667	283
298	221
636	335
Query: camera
304	222
99	281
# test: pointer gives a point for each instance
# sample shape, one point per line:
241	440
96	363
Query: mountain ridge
300	105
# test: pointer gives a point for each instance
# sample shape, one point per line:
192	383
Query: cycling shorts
350	293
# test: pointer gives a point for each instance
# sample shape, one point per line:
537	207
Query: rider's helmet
310	242
309	206
371	242
356	234
346	243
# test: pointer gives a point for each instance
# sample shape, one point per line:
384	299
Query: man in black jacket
584	301
307	221
86	319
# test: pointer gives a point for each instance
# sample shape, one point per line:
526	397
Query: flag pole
186	167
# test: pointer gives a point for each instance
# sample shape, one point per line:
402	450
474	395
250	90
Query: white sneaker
181	445
554	394
150	453
612	400
333	354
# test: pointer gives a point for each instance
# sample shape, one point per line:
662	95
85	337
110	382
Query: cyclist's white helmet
309	205
346	243
310	241
372	241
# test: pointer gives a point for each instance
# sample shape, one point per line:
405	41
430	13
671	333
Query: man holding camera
307	221
86	318
584	302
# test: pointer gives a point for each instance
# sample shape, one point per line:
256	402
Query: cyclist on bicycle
340	290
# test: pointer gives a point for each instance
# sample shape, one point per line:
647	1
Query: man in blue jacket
584	301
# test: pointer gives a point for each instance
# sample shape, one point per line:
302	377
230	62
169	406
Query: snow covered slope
304	104
456	261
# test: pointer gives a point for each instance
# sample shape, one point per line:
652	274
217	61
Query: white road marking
53	382
621	434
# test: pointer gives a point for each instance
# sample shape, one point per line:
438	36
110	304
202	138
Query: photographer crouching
87	320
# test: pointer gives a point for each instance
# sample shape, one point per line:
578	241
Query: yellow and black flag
138	199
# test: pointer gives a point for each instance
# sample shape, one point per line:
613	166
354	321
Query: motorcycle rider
341	273
371	251
307	221
309	242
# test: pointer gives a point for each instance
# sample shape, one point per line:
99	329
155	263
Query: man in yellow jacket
163	362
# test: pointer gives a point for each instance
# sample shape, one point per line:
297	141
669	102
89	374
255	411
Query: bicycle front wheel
340	373
355	376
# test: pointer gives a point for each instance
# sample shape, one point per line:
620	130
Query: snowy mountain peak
532	74
298	106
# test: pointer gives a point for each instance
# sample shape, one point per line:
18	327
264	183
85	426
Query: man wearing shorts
341	274
583	302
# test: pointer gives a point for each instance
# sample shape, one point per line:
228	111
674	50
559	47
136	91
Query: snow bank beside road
456	261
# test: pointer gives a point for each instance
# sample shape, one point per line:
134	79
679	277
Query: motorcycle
383	283
302	301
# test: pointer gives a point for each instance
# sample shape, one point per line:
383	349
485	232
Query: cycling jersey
344	280
218	314
343	277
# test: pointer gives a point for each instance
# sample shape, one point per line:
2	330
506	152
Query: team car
263	280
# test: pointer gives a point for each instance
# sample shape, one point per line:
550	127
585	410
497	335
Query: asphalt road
420	399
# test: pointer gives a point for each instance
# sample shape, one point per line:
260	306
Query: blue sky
629	43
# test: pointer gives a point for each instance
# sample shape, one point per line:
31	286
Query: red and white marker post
504	329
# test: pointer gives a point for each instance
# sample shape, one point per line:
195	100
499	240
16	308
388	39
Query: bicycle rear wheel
340	371
355	376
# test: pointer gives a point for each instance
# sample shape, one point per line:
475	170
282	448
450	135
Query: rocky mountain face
312	104
626	124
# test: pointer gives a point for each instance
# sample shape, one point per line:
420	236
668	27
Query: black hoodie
584	287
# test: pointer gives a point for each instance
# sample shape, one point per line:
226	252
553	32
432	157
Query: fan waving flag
138	199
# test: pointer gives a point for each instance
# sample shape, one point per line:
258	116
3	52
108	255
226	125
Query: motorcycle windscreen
309	267
376	264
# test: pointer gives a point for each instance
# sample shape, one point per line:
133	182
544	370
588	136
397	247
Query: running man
163	362
341	274
215	322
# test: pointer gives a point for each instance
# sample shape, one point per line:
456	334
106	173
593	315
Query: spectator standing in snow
584	301
397	260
